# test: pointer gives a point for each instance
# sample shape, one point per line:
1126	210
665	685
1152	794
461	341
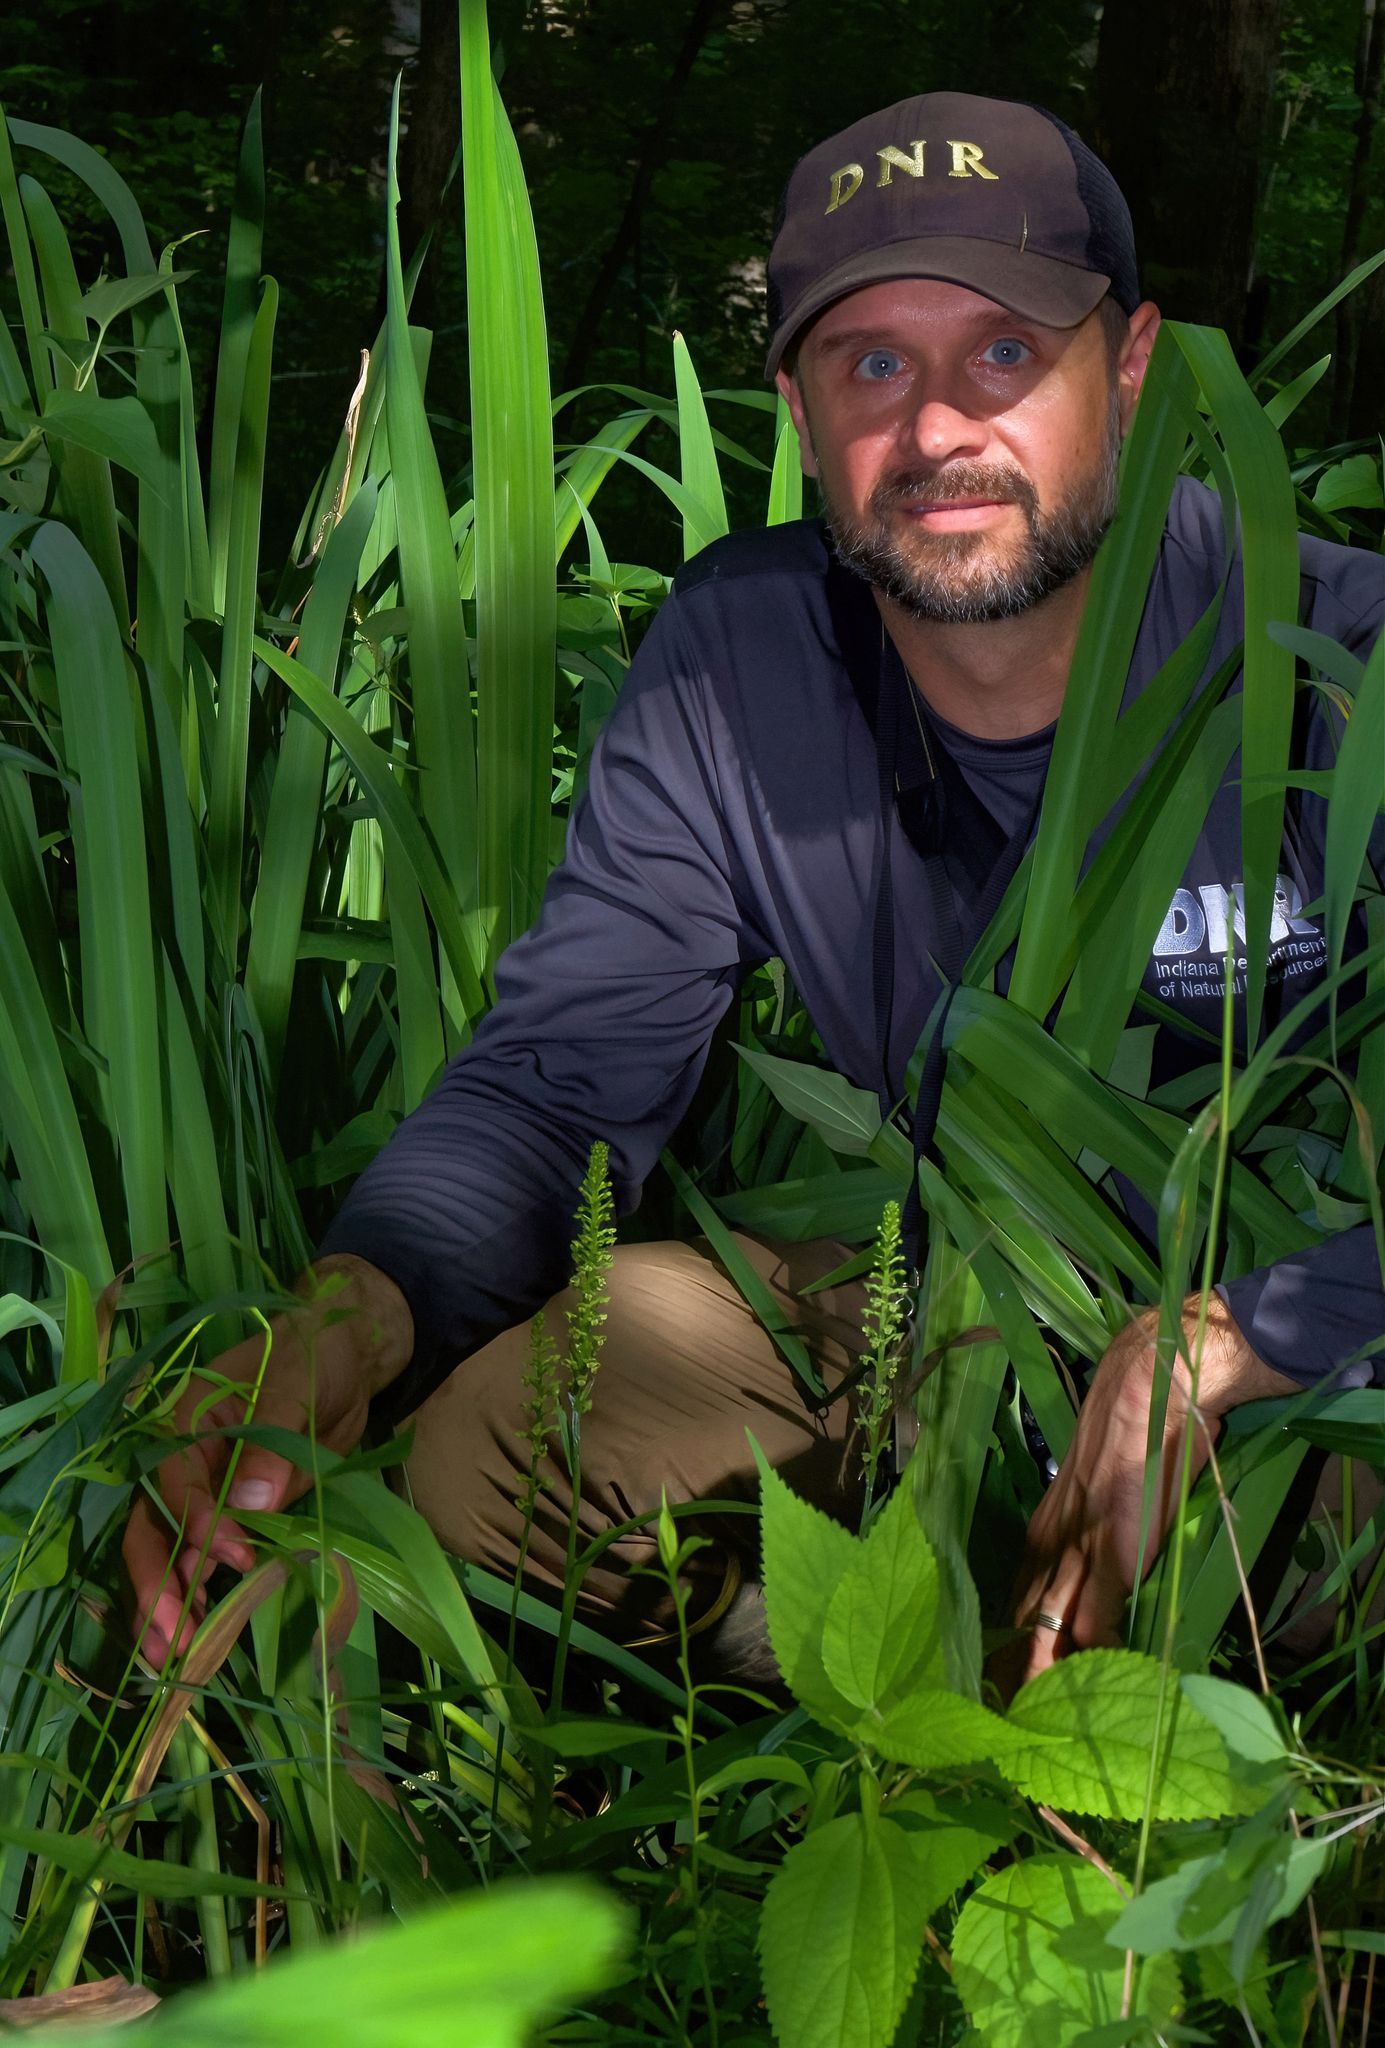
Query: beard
969	578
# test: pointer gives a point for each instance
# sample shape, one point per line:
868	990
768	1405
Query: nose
941	431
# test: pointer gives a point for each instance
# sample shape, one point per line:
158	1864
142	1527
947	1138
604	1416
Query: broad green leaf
1032	1961
1099	1717
117	428
936	1731
1353	484
881	1633
512	456
805	1556
840	1934
846	1116
1242	1718
486	1968
843	1204
951	1835
1201	1903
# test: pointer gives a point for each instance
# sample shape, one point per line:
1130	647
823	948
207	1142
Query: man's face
967	457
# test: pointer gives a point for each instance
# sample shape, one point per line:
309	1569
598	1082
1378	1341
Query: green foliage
266	814
884	1327
1034	1959
592	1250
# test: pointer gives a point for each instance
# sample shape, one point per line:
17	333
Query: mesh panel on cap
1111	243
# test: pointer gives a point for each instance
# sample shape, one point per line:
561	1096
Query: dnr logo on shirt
1191	948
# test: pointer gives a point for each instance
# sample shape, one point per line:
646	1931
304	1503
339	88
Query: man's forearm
1229	1372
342	1286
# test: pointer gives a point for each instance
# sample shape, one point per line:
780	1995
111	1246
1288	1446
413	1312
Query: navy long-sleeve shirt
732	814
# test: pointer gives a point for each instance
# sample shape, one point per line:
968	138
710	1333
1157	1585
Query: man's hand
325	1363
1082	1549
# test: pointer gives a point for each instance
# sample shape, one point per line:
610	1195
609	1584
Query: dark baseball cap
996	195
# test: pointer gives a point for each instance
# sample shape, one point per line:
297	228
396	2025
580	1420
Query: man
958	330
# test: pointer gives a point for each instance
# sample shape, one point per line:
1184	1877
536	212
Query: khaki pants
688	1374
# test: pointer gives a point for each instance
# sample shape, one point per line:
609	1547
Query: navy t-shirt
733	813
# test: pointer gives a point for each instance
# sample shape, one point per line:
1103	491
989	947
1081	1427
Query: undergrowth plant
264	828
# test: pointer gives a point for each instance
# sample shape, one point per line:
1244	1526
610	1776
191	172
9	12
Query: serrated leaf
1032	1962
935	1730
805	1554
840	1934
950	1838
1242	1718
1098	1715
881	1633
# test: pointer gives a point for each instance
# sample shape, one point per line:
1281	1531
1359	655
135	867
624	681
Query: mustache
958	480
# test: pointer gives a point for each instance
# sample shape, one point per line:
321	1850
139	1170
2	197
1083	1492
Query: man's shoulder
758	563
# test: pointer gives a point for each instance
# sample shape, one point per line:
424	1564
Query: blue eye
878	365
1006	354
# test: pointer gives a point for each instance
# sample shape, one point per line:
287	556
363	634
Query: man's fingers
167	1608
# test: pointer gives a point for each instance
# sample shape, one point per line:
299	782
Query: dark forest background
657	135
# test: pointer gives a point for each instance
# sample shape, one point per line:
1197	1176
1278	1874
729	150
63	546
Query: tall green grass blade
394	812
444	749
230	740
585	469
1269	546
1100	664
38	1115
1289	342
787	1342
786	479
1353	809
512	461
239	312
22	265
161	594
956	1405
294	818
84	495
121	1007
700	472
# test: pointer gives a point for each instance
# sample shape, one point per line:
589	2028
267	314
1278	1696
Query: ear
791	393
1134	358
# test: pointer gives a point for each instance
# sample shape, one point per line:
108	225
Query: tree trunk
706	17
1184	96
431	141
1351	313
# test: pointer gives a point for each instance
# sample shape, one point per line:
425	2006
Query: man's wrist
1228	1371
350	1293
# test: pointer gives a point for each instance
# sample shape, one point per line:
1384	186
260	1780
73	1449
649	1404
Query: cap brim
1039	288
